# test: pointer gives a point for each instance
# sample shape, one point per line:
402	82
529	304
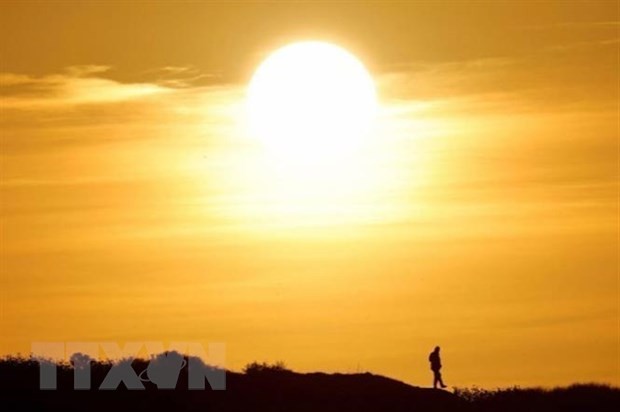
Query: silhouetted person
435	361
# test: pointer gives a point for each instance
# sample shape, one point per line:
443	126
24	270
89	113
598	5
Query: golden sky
482	216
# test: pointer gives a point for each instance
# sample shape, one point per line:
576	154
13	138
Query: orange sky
483	215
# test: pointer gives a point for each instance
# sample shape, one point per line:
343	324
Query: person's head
437	348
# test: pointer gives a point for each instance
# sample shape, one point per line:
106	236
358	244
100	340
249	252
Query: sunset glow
341	186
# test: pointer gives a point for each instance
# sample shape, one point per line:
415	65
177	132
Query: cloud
84	70
78	85
179	76
558	78
585	45
80	107
575	25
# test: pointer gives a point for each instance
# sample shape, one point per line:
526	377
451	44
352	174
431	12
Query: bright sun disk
311	100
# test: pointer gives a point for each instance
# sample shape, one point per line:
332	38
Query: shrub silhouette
577	397
256	368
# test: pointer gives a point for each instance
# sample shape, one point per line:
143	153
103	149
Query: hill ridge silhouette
263	387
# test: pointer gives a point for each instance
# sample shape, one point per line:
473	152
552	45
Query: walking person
435	361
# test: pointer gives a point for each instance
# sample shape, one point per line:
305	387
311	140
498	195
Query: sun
311	100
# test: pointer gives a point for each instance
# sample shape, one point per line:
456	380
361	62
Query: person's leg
440	379
436	378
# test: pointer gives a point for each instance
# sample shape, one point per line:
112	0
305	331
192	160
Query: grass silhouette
273	387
